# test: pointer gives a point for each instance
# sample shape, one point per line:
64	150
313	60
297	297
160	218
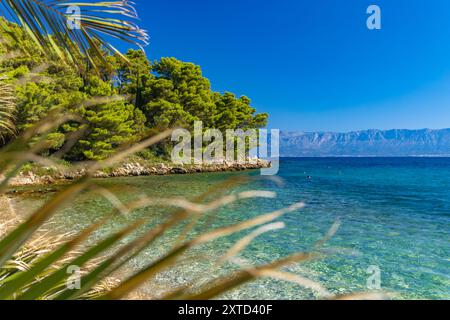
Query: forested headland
114	101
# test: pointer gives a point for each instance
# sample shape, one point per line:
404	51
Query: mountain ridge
370	143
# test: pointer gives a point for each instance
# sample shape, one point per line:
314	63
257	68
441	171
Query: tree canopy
158	95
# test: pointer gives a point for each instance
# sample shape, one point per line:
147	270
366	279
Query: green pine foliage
158	95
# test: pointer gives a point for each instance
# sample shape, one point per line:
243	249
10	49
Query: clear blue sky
313	64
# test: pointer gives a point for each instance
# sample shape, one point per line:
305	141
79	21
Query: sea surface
394	233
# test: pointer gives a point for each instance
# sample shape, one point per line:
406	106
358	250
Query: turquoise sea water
394	213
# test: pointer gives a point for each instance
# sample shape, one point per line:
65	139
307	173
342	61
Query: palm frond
7	109
82	29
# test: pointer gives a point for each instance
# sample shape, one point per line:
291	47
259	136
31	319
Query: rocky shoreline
134	169
8	217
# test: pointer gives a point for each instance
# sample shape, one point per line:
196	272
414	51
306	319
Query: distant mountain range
369	143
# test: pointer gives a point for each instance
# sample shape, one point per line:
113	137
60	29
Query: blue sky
313	65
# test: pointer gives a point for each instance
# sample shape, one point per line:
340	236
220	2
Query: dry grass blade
240	245
135	281
294	278
7	109
58	250
135	247
55	278
245	242
53	120
112	198
245	225
14	240
197	208
33	75
330	234
218	287
95	101
231	253
8	55
32	157
132	249
27	256
364	296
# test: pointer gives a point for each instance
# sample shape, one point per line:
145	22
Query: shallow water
394	213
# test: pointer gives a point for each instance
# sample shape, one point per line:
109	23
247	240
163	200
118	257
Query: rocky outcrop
138	169
30	178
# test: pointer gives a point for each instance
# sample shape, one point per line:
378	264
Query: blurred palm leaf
7	109
81	28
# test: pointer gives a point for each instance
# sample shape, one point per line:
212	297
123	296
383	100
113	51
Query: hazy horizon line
362	130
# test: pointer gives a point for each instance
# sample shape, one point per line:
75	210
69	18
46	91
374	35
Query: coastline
134	169
8	216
